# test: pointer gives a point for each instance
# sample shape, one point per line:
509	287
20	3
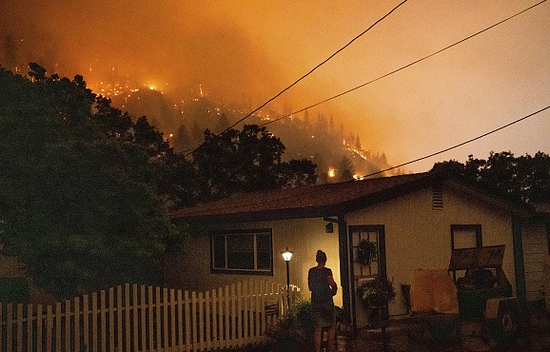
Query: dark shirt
317	279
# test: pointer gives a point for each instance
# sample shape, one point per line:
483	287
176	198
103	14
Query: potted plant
366	251
376	292
375	295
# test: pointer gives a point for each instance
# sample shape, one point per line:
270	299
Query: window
248	252
466	236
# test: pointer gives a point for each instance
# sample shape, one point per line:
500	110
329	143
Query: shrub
294	332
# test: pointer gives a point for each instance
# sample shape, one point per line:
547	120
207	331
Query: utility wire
404	67
459	144
310	72
322	187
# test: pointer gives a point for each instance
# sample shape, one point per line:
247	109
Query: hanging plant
366	251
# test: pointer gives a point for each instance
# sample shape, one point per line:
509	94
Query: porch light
287	256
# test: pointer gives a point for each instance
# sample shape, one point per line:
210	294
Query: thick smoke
173	45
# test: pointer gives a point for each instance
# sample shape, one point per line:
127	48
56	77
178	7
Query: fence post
172	320
187	310
181	343
30	324
19	327
233	316
227	334
135	318
85	323
200	325
239	313
262	307
194	319
76	318
95	327
49	328
39	327
245	310
207	325
143	310
258	293
165	317
119	339
126	305
214	319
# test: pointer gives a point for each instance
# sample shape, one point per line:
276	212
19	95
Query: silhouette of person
323	288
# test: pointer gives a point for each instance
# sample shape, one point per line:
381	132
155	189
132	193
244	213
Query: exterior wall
191	269
416	236
419	237
535	249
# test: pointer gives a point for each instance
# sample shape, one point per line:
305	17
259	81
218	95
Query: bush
294	332
14	290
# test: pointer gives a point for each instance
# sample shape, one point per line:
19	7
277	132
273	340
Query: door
365	266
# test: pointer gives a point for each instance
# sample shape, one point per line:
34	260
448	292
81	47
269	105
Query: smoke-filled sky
249	50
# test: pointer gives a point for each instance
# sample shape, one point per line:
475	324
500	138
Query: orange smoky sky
249	50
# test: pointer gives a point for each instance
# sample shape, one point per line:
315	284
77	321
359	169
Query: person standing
323	288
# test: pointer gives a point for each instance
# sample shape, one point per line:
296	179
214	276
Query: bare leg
317	336
331	332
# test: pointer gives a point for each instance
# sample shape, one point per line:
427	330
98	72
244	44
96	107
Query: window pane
240	251
263	243
464	238
218	244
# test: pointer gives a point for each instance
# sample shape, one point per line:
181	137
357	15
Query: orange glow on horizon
245	53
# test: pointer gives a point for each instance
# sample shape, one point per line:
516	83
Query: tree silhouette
524	178
80	195
245	161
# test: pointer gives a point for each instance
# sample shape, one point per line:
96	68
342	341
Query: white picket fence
137	318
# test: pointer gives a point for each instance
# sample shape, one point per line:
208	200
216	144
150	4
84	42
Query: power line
405	66
312	70
322	187
316	67
459	144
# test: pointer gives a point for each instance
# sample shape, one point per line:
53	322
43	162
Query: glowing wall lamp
287	256
329	227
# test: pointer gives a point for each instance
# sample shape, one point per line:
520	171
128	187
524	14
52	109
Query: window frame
227	235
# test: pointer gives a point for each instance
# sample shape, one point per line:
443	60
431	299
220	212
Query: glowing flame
331	172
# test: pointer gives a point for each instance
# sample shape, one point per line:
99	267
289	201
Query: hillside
338	155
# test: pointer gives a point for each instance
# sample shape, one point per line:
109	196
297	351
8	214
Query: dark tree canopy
524	178
85	189
81	199
245	161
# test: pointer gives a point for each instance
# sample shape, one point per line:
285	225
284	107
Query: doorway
370	236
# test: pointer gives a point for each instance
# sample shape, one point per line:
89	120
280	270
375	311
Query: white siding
418	236
191	269
535	250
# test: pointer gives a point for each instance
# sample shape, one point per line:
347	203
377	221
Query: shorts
323	314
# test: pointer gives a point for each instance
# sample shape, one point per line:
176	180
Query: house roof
321	200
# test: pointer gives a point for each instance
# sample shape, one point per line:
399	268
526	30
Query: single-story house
414	221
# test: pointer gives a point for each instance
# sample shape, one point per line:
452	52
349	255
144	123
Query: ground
465	337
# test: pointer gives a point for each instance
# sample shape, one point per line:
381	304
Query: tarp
433	291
